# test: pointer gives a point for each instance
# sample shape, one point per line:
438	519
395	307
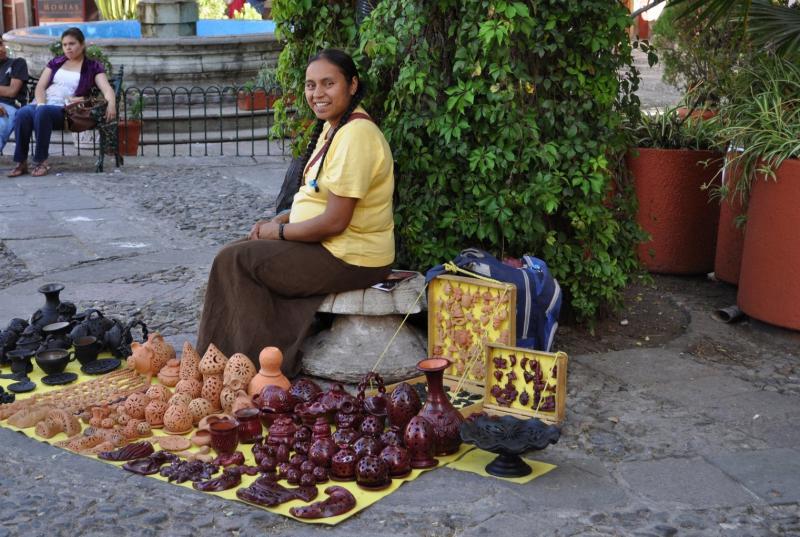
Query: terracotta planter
730	238
255	100
769	284
680	218
128	134
697	113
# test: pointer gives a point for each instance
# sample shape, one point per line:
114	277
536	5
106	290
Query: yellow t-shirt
358	165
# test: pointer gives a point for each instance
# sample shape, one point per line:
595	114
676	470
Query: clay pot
282	431
333	398
162	351
135	405
157	391
224	436
190	363
305	390
200	408
211	389
397	460
769	289
674	210
239	369
372	473
53	361
321	429
392	437
367	445
249	425
275	399
443	417
170	373
372	425
177	419
322	451
48	313
402	405
242	402
345	436
270	359
343	465
213	362
376	405
154	412
309	412
420	441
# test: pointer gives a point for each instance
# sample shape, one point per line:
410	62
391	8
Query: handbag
84	115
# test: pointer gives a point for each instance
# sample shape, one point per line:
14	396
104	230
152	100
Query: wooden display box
464	315
549	375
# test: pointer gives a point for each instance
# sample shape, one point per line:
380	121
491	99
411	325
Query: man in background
13	91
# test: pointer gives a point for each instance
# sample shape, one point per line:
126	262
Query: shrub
505	120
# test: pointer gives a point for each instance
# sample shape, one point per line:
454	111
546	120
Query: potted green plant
763	119
129	127
267	78
673	161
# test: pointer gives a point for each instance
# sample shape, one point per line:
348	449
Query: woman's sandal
41	169
20	169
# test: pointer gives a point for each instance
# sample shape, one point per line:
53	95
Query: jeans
6	124
39	119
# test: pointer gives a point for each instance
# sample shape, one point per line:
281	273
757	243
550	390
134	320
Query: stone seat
364	322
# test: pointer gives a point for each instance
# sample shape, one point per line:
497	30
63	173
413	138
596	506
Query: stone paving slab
75	199
43	254
772	474
691	482
30	224
646	367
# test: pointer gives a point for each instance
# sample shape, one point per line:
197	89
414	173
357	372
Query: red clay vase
397	459
444	418
769	285
343	465
372	473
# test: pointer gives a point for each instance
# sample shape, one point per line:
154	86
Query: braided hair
348	68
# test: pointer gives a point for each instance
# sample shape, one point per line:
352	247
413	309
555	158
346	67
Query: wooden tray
550	406
464	315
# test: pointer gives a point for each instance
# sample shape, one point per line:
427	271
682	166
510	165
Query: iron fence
196	121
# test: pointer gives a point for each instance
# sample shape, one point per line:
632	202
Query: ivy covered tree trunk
505	120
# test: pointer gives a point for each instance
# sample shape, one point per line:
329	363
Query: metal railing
196	121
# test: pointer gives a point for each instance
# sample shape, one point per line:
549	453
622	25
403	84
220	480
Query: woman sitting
339	236
66	79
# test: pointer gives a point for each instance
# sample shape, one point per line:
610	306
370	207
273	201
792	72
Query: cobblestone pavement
695	436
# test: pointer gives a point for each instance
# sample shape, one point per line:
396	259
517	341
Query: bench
364	322
109	142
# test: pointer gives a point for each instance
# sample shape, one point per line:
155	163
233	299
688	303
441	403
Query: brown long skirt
265	293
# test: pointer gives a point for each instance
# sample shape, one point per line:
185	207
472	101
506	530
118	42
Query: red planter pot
128	133
730	238
769	284
258	99
678	215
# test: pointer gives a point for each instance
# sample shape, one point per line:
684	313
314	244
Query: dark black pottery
59	378
22	386
21	361
87	349
54	361
48	313
98	367
56	335
66	312
29	342
90	323
508	437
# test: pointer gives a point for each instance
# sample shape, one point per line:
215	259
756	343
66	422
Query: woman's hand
265	229
111	112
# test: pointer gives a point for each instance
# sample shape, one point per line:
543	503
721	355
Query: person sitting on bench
66	79
264	290
13	91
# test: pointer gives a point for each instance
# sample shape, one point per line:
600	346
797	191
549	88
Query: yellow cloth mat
37	374
364	498
476	460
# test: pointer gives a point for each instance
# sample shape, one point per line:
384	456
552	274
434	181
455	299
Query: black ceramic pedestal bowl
53	361
508	437
21	361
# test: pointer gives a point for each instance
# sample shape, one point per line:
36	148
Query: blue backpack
538	293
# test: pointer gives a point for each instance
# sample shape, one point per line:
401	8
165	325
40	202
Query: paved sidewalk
698	437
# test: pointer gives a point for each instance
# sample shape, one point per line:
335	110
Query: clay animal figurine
142	360
270	360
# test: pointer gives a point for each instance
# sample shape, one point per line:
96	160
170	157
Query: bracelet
280	232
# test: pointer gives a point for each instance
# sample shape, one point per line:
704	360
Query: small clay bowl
54	361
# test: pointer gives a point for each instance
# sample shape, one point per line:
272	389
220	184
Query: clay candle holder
224	436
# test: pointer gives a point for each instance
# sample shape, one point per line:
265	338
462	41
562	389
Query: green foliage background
505	120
